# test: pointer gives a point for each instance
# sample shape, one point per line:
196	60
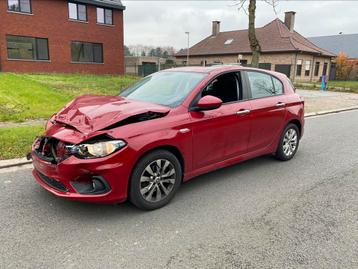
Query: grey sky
163	23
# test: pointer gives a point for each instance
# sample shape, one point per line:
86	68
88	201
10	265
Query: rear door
268	109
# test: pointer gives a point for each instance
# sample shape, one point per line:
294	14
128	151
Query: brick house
282	49
77	36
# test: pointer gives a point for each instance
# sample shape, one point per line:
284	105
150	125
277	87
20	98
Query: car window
164	88
224	87
278	86
261	85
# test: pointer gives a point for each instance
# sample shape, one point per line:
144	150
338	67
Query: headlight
97	149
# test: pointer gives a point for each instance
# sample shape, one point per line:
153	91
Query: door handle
243	112
280	104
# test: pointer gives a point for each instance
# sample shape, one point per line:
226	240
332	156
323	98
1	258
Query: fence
149	68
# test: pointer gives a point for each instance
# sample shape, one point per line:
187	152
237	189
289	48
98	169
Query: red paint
49	19
213	139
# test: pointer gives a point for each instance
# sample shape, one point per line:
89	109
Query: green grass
345	84
15	142
36	96
334	85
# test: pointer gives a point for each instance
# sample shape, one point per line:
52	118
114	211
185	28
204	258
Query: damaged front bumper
103	180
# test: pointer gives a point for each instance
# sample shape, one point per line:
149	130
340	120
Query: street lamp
187	52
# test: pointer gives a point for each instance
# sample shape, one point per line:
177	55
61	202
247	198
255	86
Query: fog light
91	185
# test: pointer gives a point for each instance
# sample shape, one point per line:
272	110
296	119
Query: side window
224	87
261	84
278	86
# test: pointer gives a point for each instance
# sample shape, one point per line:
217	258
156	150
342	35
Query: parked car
166	129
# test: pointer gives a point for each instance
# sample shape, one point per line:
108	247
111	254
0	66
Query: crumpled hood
90	113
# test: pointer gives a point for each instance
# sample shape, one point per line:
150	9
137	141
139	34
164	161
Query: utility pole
187	54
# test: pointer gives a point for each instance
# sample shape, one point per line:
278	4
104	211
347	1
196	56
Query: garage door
283	68
266	66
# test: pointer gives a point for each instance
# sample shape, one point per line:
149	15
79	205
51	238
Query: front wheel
289	142
155	180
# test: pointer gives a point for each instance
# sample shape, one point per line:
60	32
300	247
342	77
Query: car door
221	133
268	110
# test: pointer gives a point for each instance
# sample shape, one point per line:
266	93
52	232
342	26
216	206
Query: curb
325	112
22	161
14	162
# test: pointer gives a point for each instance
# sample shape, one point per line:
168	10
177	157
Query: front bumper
59	178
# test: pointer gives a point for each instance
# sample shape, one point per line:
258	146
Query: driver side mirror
208	102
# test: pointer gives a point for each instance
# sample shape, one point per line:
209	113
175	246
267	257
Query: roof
338	43
115	4
273	37
217	69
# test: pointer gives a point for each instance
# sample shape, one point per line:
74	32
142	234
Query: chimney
216	28
290	20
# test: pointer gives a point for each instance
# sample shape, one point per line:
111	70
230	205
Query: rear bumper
58	178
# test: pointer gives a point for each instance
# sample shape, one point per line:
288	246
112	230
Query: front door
221	133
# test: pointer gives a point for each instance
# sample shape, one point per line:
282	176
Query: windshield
165	88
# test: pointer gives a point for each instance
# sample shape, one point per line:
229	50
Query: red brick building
77	36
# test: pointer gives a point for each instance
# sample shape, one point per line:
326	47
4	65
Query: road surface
259	214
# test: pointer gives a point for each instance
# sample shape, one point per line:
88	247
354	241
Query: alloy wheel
157	180
290	141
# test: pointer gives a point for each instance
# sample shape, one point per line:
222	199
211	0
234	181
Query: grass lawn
15	142
36	96
347	86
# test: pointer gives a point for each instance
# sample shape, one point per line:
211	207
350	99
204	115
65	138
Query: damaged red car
164	130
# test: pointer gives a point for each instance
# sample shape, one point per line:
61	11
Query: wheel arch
297	123
170	148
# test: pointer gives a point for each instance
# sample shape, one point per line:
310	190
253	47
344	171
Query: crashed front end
79	158
60	170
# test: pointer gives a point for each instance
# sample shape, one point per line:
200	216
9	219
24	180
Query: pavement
318	101
262	213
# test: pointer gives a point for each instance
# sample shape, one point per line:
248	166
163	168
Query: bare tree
251	12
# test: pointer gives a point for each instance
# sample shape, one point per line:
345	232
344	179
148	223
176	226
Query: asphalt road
259	214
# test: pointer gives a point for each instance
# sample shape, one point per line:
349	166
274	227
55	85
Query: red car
166	129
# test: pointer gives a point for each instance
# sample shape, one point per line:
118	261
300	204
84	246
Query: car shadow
194	187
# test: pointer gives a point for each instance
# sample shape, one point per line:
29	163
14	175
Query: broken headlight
97	149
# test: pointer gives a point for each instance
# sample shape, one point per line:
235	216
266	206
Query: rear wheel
155	180
289	142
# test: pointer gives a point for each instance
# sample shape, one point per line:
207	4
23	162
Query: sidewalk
318	101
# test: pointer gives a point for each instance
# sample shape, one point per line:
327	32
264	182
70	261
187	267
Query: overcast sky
164	23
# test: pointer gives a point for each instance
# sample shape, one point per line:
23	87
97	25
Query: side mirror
209	102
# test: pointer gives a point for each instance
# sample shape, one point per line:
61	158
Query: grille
51	150
53	183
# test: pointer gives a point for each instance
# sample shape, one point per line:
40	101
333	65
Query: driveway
317	101
259	214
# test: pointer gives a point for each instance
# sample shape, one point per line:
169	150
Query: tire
155	180
289	143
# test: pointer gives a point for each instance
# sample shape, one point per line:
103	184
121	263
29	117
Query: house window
307	68
77	12
104	16
23	6
324	71
27	48
299	68
84	52
316	69
229	41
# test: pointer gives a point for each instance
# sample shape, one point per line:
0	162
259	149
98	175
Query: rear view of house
79	36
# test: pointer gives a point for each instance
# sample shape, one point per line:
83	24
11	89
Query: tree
143	53
344	67
127	51
254	42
